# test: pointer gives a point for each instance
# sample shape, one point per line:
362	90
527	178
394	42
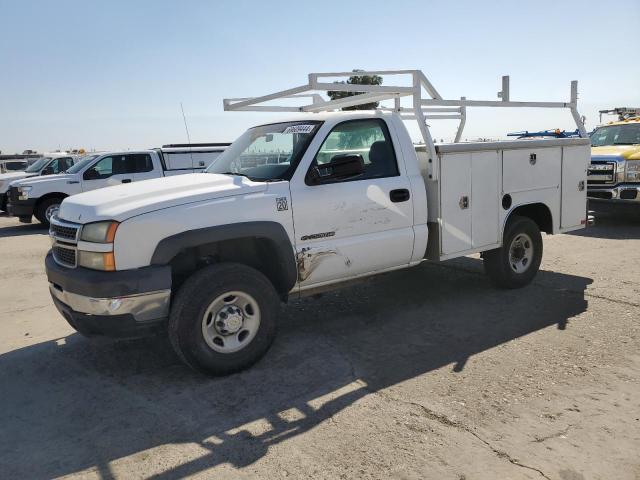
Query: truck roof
322	116
623	122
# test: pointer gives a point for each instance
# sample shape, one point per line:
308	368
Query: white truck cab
42	196
299	206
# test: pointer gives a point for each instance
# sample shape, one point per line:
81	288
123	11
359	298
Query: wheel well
259	253
538	212
48	196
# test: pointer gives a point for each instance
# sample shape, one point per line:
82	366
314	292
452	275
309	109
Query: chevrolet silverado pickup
299	206
41	197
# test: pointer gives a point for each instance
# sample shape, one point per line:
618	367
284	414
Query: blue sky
109	75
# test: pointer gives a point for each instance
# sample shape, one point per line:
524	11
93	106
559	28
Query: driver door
106	172
353	226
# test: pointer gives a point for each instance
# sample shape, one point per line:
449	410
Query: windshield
36	167
267	152
82	162
616	135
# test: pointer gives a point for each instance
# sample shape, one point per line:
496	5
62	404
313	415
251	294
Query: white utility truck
303	205
49	164
42	196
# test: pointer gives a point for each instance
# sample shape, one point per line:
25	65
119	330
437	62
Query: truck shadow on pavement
21	229
613	221
73	404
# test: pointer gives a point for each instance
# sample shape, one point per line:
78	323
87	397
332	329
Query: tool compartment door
575	160
455	211
525	169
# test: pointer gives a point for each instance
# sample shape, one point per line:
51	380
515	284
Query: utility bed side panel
455	222
485	198
575	161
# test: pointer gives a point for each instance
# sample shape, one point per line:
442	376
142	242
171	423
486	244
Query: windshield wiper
236	173
241	175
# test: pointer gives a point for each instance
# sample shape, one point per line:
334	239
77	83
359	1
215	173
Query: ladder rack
431	106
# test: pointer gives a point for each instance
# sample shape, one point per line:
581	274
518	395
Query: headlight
97	260
632	169
99	232
23	192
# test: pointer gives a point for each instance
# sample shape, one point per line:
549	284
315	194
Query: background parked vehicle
50	164
13	165
614	173
41	197
305	205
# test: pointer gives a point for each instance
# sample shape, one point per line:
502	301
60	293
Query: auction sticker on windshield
299	129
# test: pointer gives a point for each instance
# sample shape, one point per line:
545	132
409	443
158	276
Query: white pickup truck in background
299	206
49	164
41	197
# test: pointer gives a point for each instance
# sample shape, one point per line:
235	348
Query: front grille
63	231
628	194
601	173
596	194
64	256
13	194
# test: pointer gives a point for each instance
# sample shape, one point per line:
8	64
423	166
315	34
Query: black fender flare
273	232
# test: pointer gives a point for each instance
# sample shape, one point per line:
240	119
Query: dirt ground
429	373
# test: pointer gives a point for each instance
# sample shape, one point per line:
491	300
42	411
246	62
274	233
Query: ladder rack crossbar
427	103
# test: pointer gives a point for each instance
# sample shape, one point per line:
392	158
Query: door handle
399	195
126	180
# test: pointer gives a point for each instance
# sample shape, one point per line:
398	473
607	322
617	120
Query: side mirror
47	171
340	167
91	174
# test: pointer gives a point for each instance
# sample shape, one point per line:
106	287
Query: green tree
358	80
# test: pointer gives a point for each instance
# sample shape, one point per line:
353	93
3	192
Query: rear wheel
47	209
516	263
223	318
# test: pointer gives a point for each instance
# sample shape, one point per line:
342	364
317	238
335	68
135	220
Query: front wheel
223	318
47	209
516	263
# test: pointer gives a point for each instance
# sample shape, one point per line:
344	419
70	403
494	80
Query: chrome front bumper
143	307
620	193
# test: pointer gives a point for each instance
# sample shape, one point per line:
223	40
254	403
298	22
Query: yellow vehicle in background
614	173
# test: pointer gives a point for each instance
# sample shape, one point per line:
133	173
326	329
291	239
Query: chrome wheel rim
231	322
521	253
51	211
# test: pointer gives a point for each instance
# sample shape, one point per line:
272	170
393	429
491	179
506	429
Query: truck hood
125	201
628	152
7	178
42	181
13	175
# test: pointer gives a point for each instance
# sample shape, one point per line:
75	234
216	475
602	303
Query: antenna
187	130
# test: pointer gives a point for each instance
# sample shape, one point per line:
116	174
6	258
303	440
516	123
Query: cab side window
102	169
368	138
61	164
139	163
120	165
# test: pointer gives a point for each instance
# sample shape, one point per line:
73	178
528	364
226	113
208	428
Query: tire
43	207
521	238
3	202
196	328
